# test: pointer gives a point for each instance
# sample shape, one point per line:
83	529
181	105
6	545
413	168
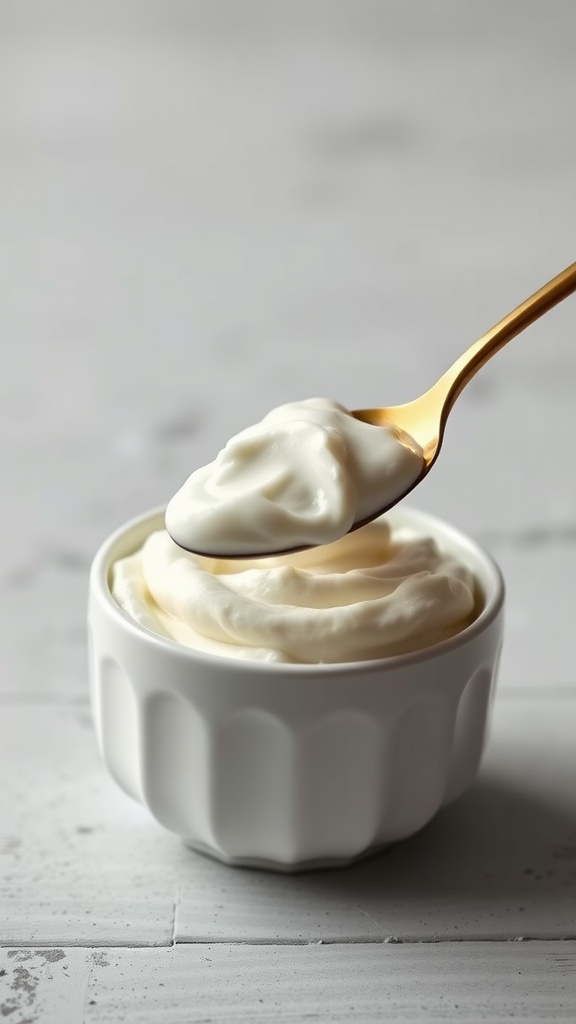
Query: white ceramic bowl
291	766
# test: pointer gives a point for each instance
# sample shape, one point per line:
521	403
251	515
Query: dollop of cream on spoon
302	477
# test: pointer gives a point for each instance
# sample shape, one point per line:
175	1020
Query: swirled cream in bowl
296	710
375	593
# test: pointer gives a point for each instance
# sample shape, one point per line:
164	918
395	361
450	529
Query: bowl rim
99	588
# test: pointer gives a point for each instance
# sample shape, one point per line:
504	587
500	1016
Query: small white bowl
291	766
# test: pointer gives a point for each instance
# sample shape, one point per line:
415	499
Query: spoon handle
450	385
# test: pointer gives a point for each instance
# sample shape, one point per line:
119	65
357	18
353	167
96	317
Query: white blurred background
208	207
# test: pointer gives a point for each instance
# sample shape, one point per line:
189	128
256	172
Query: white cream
372	594
302	476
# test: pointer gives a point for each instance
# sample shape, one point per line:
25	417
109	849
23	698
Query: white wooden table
206	209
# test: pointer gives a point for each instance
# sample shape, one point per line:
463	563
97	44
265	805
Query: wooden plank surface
80	862
366	984
538	568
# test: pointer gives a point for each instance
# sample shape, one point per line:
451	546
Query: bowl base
265	864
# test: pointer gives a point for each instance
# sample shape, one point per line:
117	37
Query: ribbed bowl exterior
290	766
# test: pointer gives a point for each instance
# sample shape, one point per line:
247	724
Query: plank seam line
56	700
536	537
388	940
391	940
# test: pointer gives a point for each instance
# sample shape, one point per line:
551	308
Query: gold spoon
424	419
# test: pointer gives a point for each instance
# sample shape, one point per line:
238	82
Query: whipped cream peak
302	476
